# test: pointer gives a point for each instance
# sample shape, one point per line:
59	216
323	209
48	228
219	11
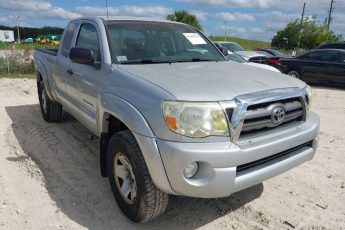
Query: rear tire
51	111
294	73
137	196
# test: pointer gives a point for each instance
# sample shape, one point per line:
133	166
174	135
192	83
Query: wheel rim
44	100
124	178
294	73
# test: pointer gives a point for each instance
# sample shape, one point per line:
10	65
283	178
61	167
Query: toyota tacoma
173	116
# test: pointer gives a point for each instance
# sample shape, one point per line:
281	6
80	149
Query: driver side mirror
82	55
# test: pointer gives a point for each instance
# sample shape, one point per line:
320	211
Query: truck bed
48	51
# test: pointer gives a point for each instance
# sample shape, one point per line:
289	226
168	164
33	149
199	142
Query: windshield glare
235	57
156	42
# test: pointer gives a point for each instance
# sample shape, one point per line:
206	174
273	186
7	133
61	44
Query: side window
328	56
88	38
67	40
311	56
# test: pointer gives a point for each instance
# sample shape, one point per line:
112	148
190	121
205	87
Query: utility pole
17	22
300	27
330	15
106	5
225	27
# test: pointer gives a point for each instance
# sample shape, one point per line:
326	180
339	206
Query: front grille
259	117
272	158
261	60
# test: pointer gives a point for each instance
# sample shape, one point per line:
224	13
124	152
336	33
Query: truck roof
128	18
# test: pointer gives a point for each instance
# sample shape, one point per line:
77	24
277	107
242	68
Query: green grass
18	75
23	46
247	44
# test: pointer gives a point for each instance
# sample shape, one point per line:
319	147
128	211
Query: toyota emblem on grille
278	115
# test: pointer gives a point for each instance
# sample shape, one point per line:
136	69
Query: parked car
237	58
332	45
253	56
272	60
326	66
29	40
172	114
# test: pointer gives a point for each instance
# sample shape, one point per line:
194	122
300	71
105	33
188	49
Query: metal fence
16	61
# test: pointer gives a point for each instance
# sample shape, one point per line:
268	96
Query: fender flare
137	124
40	71
125	112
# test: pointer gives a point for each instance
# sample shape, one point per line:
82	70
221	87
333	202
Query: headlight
309	94
195	119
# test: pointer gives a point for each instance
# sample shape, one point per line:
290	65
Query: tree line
307	34
30	32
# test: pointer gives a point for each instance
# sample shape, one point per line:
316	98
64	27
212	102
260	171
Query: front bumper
218	175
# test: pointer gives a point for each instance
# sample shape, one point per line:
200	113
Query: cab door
86	83
61	77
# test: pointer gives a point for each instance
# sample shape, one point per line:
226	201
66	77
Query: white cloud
232	3
201	15
34	9
28	5
228	17
58	13
148	11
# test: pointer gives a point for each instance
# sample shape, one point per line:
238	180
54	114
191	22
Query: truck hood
211	81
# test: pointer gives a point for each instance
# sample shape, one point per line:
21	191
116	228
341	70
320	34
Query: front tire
51	111
134	191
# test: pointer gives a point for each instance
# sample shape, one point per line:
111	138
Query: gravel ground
50	179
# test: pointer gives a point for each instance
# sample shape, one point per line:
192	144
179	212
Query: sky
252	19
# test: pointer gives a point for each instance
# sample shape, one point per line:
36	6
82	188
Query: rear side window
341	57
88	38
67	40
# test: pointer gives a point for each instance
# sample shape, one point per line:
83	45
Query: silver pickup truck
172	114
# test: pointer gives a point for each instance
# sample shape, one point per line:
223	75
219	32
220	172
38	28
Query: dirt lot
50	179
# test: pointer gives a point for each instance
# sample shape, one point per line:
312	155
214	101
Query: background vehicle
326	66
253	56
332	45
237	58
29	40
173	115
272	60
260	57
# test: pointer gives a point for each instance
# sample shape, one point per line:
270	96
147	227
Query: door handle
70	71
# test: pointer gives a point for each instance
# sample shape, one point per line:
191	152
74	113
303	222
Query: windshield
235	57
232	47
144	42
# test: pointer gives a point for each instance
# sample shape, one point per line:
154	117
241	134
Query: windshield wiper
146	61
195	60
